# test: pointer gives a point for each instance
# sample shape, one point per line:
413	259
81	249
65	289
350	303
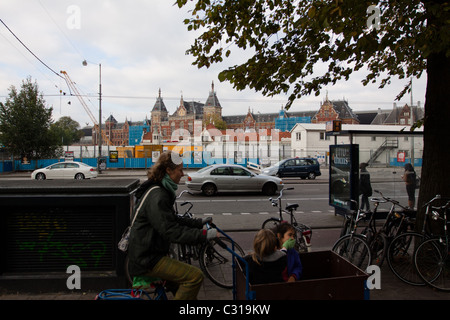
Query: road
241	214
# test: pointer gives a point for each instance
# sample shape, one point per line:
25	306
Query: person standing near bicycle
409	177
365	188
157	226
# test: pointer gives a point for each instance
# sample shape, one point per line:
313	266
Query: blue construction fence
120	163
144	163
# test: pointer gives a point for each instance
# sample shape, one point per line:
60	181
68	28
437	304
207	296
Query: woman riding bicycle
157	226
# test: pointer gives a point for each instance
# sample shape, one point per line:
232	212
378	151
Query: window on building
298	136
323	136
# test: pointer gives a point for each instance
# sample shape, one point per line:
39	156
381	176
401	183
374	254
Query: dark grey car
295	167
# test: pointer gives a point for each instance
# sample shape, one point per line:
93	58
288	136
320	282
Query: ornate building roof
212	100
159	104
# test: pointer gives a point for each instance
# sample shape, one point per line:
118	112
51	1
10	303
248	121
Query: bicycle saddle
291	206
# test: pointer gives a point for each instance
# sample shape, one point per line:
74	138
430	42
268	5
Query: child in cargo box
266	263
286	236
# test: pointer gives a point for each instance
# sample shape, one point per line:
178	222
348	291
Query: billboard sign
344	178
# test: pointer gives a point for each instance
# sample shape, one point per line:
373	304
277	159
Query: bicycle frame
386	228
351	223
303	230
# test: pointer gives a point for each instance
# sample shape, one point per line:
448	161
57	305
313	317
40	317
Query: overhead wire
23	55
61	30
34	55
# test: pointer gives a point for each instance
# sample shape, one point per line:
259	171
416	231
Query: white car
228	177
65	170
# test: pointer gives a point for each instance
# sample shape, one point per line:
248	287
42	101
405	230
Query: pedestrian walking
409	177
365	188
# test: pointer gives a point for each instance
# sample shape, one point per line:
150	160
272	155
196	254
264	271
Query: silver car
65	170
229	177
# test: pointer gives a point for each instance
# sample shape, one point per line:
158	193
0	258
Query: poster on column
344	178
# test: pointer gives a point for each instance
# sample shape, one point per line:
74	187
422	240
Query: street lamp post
99	113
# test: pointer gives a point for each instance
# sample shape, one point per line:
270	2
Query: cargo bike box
326	276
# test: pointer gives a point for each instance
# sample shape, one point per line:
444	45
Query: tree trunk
435	177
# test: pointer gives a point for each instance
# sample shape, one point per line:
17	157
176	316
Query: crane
72	86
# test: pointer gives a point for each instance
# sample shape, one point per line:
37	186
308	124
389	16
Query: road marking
260	213
216	200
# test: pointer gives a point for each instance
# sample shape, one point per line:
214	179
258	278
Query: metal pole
412	122
100	116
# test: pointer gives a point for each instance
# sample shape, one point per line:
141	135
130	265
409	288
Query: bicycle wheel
303	235
432	263
271	223
216	262
400	257
355	249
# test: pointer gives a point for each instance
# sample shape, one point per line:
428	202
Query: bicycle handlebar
436	197
385	199
275	202
183	192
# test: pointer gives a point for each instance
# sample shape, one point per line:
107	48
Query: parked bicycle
396	222
432	258
303	233
400	254
351	245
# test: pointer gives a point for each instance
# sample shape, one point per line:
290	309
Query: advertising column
344	178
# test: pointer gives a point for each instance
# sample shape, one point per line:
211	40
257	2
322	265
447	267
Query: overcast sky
141	47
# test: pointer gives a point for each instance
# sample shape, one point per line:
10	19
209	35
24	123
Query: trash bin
326	276
46	226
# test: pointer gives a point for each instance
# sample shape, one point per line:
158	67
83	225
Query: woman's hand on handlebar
207	220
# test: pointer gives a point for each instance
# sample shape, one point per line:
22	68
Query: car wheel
79	176
311	176
269	189
209	189
40	176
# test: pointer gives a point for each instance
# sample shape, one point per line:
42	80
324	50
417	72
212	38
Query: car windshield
204	169
278	163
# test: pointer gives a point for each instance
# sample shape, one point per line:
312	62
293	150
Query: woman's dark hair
409	167
166	160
